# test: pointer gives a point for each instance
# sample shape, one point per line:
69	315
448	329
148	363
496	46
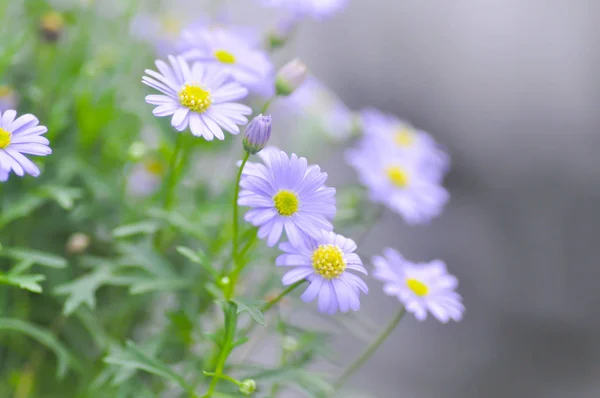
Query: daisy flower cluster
288	195
402	167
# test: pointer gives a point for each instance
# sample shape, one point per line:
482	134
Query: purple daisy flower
286	193
318	9
406	140
422	288
233	52
198	97
402	183
18	136
324	262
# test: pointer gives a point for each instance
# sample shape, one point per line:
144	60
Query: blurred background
511	88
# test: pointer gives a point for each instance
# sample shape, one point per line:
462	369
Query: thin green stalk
270	304
277	299
173	173
370	350
266	105
234	250
230	328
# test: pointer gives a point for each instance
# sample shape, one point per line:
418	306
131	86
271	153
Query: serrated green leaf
63	357
133	358
27	282
252	307
83	290
37	257
144	227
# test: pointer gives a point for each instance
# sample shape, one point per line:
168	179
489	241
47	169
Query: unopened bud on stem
290	77
257	134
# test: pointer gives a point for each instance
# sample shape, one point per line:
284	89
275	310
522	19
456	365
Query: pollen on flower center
195	97
225	57
328	261
5	137
154	167
286	202
404	137
418	287
397	176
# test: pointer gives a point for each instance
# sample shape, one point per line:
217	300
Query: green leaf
141	228
20	209
27	282
253	308
191	255
160	285
197	257
83	290
182	325
134	358
144	256
45	337
64	196
37	257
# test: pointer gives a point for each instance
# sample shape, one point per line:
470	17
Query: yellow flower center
52	21
171	25
225	57
5	91
397	176
404	137
286	202
418	287
154	167
194	97
328	261
5	137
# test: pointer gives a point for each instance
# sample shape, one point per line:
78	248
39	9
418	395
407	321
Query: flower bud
52	25
247	387
257	134
289	344
77	243
280	34
290	77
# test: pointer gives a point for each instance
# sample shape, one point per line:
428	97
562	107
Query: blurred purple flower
318	9
422	288
198	97
233	51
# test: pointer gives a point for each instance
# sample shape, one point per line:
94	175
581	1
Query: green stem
266	105
224	377
173	173
234	249
277	299
271	304
230	327
370	349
